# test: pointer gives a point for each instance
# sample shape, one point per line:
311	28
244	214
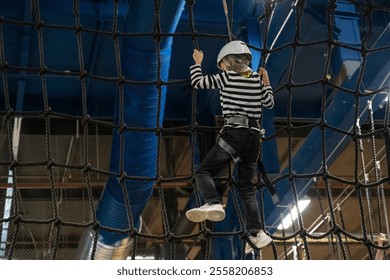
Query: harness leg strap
229	149
268	183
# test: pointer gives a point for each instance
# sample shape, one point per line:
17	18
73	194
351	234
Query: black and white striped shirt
239	95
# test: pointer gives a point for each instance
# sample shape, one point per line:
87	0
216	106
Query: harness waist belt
242	121
237	120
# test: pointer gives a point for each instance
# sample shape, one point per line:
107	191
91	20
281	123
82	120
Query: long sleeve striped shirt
239	95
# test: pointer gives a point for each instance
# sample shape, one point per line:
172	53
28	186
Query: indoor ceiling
61	159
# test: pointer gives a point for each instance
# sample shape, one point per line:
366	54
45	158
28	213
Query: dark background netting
51	184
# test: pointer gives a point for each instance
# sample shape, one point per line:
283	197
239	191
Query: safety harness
244	122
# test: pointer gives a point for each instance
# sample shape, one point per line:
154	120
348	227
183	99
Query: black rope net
50	183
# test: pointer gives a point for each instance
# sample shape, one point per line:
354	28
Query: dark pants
246	142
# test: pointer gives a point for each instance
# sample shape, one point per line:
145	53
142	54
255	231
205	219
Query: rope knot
122	177
158	131
170	237
358	186
323	124
291	176
87	168
325	175
121	80
194	34
336	229
157	36
122	128
86	119
296	41
13	165
159	180
193	181
47	112
366	242
4	66
159	83
290	128
96	226
115	34
57	222
133	233
355	135
303	233
10	113
18	219
265	51
194	127
43	70
78	29
290	85
363	51
38	25
50	164
325	81
83	74
206	233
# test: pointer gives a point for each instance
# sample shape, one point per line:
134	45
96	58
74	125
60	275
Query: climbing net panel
57	156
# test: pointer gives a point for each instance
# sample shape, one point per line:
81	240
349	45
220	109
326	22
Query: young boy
243	93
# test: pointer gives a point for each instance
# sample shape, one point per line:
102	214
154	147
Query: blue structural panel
346	32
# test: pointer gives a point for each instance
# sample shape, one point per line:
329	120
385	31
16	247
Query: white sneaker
261	240
212	212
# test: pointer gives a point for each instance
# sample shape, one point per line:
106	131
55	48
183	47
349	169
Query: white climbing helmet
233	47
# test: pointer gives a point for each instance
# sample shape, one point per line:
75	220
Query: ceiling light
293	215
